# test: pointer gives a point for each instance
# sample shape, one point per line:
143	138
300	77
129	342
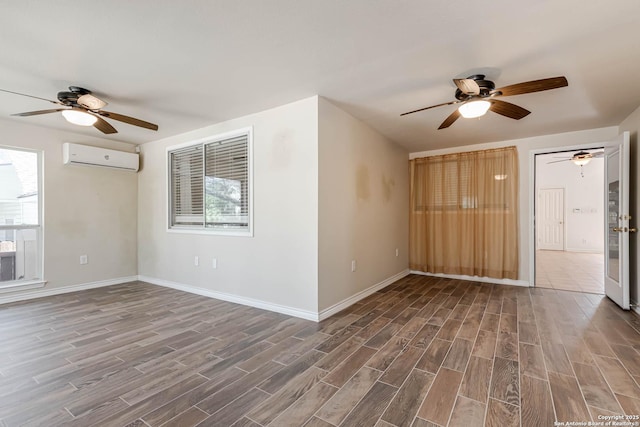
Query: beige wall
87	211
525	147
632	125
278	265
363	206
327	190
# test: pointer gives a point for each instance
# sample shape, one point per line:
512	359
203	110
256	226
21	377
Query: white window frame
186	229
15	285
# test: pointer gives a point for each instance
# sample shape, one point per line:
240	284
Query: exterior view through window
19	216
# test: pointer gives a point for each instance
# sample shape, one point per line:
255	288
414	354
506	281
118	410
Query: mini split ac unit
86	155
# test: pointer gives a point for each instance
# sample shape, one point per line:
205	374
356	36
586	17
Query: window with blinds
450	187
210	185
465	182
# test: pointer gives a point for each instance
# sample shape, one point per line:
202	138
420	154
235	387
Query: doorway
570	212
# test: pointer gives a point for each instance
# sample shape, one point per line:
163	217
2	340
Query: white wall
363	206
87	211
632	125
278	265
583	199
525	147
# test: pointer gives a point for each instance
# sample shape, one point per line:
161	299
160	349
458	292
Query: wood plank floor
422	352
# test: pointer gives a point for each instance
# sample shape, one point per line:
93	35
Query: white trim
509	282
41	207
532	192
210	231
291	311
330	311
585	251
249	232
22	286
66	289
19	227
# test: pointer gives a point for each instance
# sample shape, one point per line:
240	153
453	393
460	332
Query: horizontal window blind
187	186
226	177
463	183
450	181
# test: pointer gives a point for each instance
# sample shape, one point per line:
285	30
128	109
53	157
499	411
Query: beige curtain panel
464	214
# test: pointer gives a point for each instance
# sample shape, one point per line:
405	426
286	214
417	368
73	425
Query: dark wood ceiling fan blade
433	106
468	86
129	120
449	120
31	96
508	109
36	113
103	126
534	86
558	161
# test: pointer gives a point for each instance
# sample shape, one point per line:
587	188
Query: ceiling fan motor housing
71	97
486	86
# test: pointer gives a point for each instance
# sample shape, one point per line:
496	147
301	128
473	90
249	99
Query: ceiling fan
478	95
82	108
580	158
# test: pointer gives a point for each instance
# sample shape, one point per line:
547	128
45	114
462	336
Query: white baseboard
585	251
291	311
330	311
509	282
22	286
23	296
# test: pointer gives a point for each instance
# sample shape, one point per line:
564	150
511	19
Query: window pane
19	254
186	186
19	189
226	179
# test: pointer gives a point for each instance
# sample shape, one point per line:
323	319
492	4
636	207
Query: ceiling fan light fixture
80	118
581	161
473	109
581	158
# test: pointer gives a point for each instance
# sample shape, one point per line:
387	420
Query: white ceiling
189	64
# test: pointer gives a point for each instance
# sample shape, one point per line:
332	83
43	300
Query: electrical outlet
196	261
397	252
214	263
84	259
353	265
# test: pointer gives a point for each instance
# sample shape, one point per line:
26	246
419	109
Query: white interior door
550	219
616	268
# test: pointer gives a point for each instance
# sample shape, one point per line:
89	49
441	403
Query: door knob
632	229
